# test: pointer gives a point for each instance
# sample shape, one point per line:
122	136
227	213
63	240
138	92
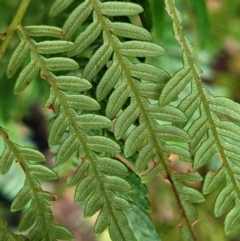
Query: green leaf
119	204
85	188
120	9
17	59
72	83
149	90
81	102
228	129
94	203
134	140
213	180
126	118
231	151
182	153
198	130
68	147
145	156
149	72
169	133
117	99
54	47
6	160
44	30
41	172
103	220
206	150
139	218
58	6
92	121
102	144
26	76
128	30
188	177
58	127
7	234
116	184
62	233
166	113
116	233
74	178
97	61
153	172
108	81
225	107
190	210
224	200
189	194
86	38
60	64
174	86
22	198
232	220
190	103
76	18
111	167
28	218
30	154
141	49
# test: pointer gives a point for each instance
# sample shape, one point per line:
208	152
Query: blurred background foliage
212	26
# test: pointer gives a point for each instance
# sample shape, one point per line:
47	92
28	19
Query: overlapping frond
38	218
212	131
126	78
97	178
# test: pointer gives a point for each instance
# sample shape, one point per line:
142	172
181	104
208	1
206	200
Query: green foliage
38	217
119	104
209	132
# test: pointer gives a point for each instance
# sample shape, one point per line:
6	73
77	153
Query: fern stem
46	75
13	26
143	112
197	80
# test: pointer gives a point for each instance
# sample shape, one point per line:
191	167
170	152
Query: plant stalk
6	37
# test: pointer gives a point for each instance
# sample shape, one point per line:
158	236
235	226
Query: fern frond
98	187
140	82
38	217
210	133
